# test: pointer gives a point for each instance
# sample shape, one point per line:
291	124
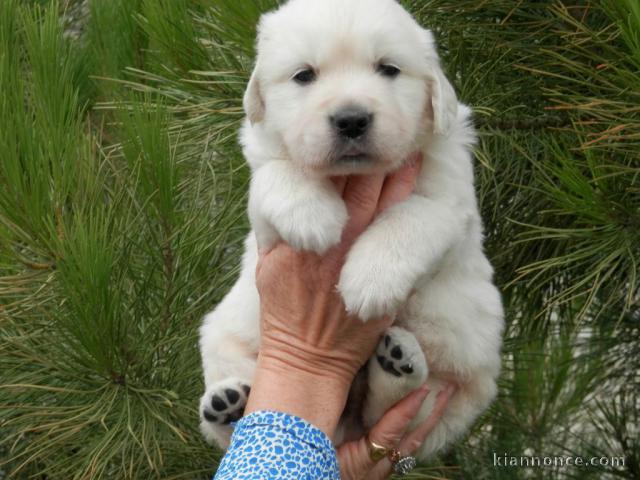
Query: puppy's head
347	86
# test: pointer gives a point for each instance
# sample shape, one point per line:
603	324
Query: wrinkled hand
307	339
302	314
391	432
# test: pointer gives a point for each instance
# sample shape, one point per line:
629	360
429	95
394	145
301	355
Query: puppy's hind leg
229	339
397	368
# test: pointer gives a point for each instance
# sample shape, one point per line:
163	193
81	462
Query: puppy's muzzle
351	123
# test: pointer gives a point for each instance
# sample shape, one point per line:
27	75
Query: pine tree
122	212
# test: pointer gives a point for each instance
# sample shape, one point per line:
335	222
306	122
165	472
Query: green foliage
122	215
114	39
115	240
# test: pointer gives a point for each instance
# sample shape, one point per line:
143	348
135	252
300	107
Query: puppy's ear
253	102
443	105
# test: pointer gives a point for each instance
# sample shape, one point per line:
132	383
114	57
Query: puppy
354	86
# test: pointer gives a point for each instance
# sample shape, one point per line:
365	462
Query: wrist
287	384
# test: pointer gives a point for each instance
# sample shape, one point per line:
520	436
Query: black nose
351	122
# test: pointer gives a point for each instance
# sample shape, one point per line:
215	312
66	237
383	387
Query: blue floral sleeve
274	446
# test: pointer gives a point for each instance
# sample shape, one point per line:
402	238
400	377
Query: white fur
422	259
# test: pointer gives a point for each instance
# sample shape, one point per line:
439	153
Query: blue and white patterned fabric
277	446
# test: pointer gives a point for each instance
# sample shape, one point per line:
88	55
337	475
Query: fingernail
449	390
423	392
418	396
413	159
415	399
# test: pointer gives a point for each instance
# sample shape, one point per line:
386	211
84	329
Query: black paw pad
210	417
233	417
392	357
232	395
387	366
396	352
226	404
218	403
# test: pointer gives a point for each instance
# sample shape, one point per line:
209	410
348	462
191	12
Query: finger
355	458
375	328
340	184
401	184
263	253
414	440
361	196
259	266
382	471
394	423
372	329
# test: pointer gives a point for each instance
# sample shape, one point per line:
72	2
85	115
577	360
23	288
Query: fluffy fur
421	260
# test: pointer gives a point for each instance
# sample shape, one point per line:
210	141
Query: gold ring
377	452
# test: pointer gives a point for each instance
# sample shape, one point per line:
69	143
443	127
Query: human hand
391	432
310	347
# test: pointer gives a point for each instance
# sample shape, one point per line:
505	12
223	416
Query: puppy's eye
388	70
305	77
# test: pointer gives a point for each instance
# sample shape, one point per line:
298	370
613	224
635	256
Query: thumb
401	184
355	457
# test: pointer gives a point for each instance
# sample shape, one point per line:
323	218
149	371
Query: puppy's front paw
370	287
315	225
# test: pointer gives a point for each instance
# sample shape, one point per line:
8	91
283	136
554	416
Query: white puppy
355	86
